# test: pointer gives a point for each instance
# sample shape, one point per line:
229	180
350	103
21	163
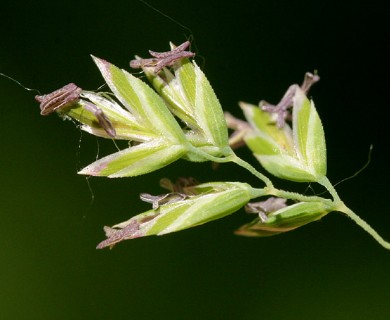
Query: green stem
363	224
232	157
297	196
271	190
336	204
324	181
237	160
210	157
341	207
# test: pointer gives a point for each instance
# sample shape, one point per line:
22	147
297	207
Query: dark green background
49	268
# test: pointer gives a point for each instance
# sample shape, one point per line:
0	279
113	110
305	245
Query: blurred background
51	219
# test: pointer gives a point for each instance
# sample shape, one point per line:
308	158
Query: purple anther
103	120
161	60
61	98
